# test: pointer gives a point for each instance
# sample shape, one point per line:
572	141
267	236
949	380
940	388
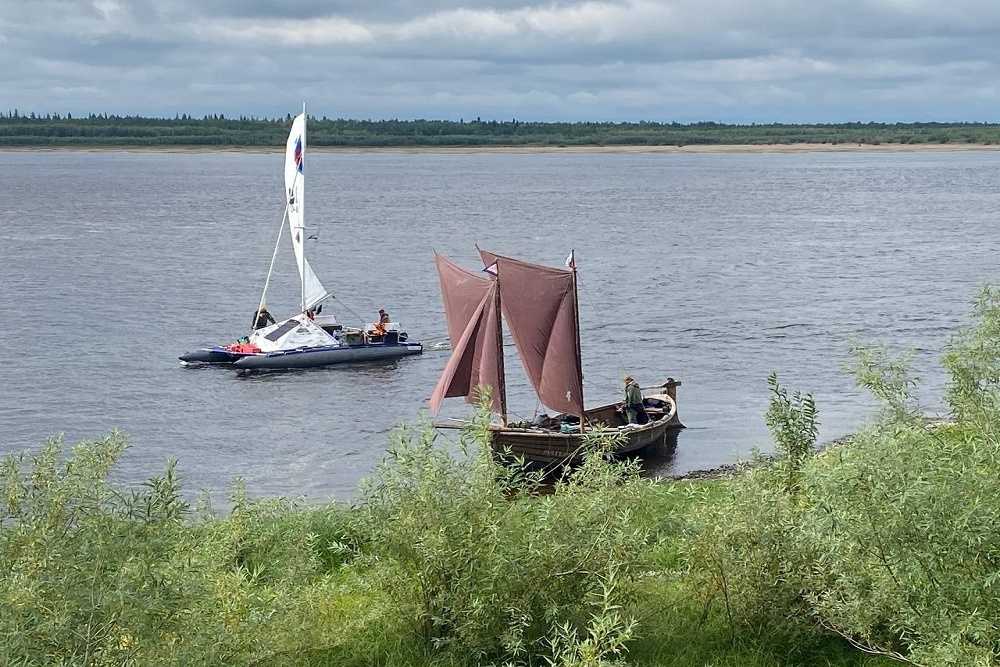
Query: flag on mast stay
571	260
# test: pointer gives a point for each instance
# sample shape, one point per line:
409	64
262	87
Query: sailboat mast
302	208
501	380
579	352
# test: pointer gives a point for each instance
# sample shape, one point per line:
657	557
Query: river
713	268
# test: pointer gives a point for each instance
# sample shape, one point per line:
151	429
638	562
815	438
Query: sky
729	61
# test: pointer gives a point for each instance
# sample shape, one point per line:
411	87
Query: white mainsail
295	152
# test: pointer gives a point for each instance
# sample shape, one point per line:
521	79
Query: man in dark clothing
632	401
262	318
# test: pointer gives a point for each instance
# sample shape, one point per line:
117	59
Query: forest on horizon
112	131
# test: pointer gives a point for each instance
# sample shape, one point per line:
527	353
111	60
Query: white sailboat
311	338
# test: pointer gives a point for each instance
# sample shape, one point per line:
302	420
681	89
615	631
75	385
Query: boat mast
502	389
579	353
302	209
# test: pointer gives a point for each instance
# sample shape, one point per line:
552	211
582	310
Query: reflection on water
658	459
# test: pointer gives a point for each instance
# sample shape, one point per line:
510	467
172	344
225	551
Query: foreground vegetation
883	550
17	130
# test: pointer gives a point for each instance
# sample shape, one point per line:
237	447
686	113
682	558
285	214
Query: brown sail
539	304
474	331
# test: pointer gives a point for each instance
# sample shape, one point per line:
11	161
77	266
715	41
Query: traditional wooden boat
539	305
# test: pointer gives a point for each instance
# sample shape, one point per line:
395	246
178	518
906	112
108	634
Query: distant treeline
17	130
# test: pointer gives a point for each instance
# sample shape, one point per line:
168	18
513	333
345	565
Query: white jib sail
295	152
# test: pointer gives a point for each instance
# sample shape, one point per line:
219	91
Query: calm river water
715	269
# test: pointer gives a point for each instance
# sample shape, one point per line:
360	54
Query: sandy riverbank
732	148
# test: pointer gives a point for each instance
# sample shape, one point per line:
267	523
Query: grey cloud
728	60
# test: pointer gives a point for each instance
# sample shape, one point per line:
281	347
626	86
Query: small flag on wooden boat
571	260
491	269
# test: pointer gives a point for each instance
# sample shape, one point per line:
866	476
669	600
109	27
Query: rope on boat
348	309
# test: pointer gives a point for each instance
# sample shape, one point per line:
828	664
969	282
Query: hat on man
627	379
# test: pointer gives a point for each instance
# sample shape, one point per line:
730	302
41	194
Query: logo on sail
298	154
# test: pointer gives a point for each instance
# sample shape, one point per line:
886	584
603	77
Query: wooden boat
539	305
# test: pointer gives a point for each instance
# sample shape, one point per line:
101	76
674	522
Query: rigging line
520	416
270	269
447	436
348	309
597	311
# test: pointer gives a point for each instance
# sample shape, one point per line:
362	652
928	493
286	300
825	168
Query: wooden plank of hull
553	447
548	447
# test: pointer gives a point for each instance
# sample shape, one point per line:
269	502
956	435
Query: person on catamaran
262	318
380	327
632	401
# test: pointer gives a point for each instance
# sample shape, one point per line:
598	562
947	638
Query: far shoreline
700	148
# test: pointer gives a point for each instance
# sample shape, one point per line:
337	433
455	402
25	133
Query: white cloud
65	92
461	24
312	32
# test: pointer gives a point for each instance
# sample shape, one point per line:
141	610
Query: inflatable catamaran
314	337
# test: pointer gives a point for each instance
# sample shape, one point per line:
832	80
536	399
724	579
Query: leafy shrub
892	541
910	513
488	566
794	424
94	574
745	556
89	575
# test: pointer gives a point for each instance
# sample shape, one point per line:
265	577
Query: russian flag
298	154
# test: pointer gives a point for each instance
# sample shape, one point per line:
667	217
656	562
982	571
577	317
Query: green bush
744	555
487	565
94	574
89	574
891	542
910	514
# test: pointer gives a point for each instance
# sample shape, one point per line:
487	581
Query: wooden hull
545	447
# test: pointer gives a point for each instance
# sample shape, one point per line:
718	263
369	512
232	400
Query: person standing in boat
262	318
383	320
632	401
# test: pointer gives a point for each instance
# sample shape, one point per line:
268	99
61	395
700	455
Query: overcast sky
734	61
